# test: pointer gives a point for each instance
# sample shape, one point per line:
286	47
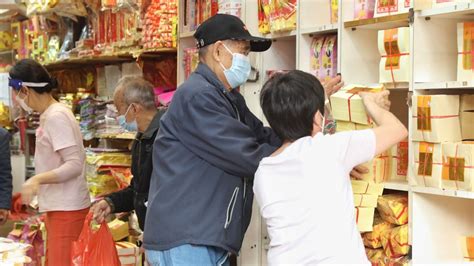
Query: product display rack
437	217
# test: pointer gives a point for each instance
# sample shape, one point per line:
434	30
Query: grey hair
137	90
204	50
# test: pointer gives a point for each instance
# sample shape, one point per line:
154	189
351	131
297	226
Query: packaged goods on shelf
31	233
129	253
334	11
365	200
428	164
458	166
66	8
467	117
374	255
347	105
280	16
4	115
198	11
465	37
364	187
399	162
364	218
394	47
393	208
6	40
160	24
230	7
388	8
378	258
373	239
436	118
395	241
191	61
349	126
364	9
324	57
379	169
467	245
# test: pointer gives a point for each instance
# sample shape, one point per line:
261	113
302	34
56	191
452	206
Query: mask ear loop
228	50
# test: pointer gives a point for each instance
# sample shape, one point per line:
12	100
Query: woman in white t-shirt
59	161
303	189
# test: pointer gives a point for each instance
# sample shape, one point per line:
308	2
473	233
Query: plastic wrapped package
373	239
264	16
364	9
393	208
395	242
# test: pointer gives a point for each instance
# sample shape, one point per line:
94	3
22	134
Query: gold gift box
343	126
436	118
118	229
467	245
364	218
458	166
348	106
399	162
365	200
395	241
393	208
465	33
364	187
373	239
394	47
428	164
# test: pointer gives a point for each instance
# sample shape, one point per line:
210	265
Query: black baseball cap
222	27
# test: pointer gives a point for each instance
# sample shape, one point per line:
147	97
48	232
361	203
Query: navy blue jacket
204	160
5	170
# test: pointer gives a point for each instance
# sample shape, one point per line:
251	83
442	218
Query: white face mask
22	103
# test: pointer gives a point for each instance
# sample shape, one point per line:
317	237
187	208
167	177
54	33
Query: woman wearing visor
60	181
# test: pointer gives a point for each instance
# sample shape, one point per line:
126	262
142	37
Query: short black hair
289	102
28	70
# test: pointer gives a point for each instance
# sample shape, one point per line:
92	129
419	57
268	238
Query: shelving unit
437	217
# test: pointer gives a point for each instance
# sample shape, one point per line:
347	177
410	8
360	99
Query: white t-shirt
305	196
59	130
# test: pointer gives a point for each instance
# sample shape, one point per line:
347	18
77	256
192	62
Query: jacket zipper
230	208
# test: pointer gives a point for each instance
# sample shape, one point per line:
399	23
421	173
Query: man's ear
215	50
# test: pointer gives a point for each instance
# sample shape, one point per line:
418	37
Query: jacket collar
211	77
153	127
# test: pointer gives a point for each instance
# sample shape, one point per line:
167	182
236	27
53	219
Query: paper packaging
458	166
436	118
467	117
373	239
399	162
364	218
118	229
465	36
393	208
334	11
395	241
374	255
329	58
467	245
365	200
129	253
347	104
364	187
364	9
428	164
349	126
394	47
379	169
316	56
387	8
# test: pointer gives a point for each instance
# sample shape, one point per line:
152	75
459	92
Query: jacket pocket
230	207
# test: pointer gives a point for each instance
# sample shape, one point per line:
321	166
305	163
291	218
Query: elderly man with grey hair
135	102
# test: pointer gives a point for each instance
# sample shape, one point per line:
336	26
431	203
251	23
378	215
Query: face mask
132	126
22	103
239	72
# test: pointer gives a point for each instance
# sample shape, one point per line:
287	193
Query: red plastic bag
94	248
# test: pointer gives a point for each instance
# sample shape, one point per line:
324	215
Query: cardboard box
428	164
364	218
458	166
348	106
364	187
436	118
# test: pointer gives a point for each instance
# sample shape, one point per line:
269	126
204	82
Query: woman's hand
29	190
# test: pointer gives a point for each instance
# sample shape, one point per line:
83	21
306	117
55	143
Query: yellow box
364	187
118	229
458	166
364	218
436	118
348	106
428	164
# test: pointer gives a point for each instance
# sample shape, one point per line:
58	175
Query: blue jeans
188	255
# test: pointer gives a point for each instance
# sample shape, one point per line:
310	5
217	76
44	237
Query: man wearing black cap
206	154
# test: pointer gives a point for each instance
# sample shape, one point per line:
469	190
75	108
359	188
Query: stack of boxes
394	48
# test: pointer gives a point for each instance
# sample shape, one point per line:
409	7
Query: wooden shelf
444	192
455	11
443	85
380	23
329	28
397	185
108	59
287	35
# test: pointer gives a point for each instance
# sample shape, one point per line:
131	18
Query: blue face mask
128	126
239	72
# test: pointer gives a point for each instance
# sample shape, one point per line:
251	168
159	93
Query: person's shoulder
3	132
195	85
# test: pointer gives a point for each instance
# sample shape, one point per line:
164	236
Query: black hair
289	102
28	70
